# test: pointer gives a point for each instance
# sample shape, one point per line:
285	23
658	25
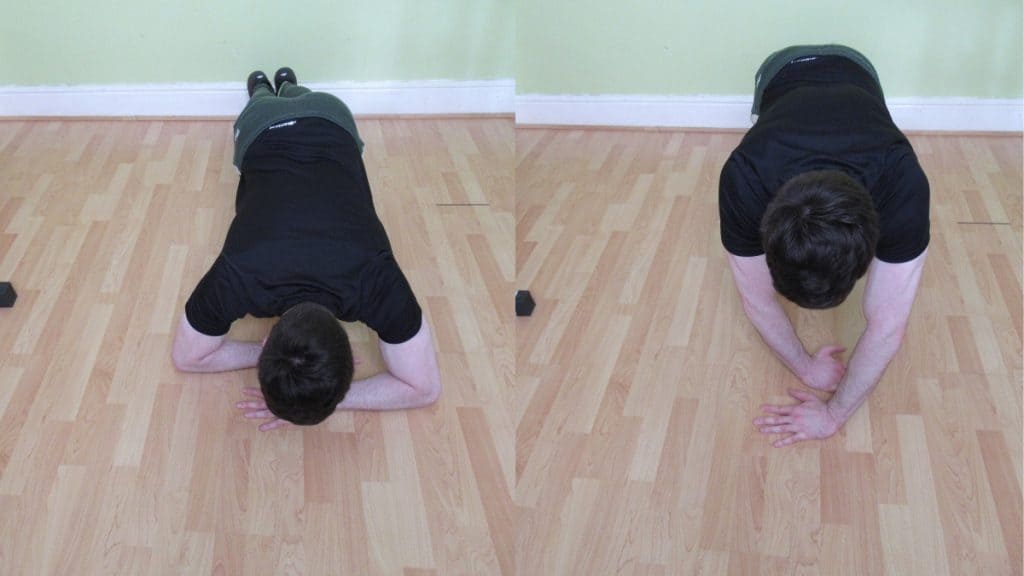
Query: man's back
305	230
825	113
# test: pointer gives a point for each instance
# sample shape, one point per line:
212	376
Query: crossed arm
194	351
889	295
411	379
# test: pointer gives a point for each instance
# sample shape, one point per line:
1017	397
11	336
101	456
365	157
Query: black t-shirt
825	113
305	230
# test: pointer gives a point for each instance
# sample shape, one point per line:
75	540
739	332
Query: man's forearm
875	349
888	297
384	392
231	355
777	332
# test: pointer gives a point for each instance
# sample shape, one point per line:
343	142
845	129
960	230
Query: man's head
306	365
819	235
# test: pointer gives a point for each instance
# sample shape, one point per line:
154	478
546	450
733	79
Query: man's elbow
181	364
753	309
889	331
428	393
184	363
749	308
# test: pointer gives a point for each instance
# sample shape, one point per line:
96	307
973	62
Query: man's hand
258	409
809	419
889	293
824	371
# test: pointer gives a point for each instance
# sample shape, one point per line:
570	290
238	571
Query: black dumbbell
7	295
524	303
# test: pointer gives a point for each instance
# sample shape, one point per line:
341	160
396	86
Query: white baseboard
228	98
957	114
485	97
733	112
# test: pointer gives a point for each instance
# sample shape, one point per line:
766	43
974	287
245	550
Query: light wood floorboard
608	433
638	377
112	462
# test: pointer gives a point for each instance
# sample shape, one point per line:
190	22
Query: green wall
921	48
159	41
936	48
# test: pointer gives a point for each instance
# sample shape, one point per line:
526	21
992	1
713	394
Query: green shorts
266	109
778	60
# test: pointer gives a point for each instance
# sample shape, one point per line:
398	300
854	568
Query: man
306	245
822	189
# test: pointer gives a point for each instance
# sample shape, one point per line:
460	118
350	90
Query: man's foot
256	78
283	75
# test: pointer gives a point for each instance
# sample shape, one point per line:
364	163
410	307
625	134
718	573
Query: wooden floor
114	463
638	377
608	433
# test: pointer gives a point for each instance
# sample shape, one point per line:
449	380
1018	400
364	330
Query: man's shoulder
388	304
215	302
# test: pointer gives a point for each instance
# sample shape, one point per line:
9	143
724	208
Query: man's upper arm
191	346
741	204
890	290
753	280
217	300
415	362
389	306
903	214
